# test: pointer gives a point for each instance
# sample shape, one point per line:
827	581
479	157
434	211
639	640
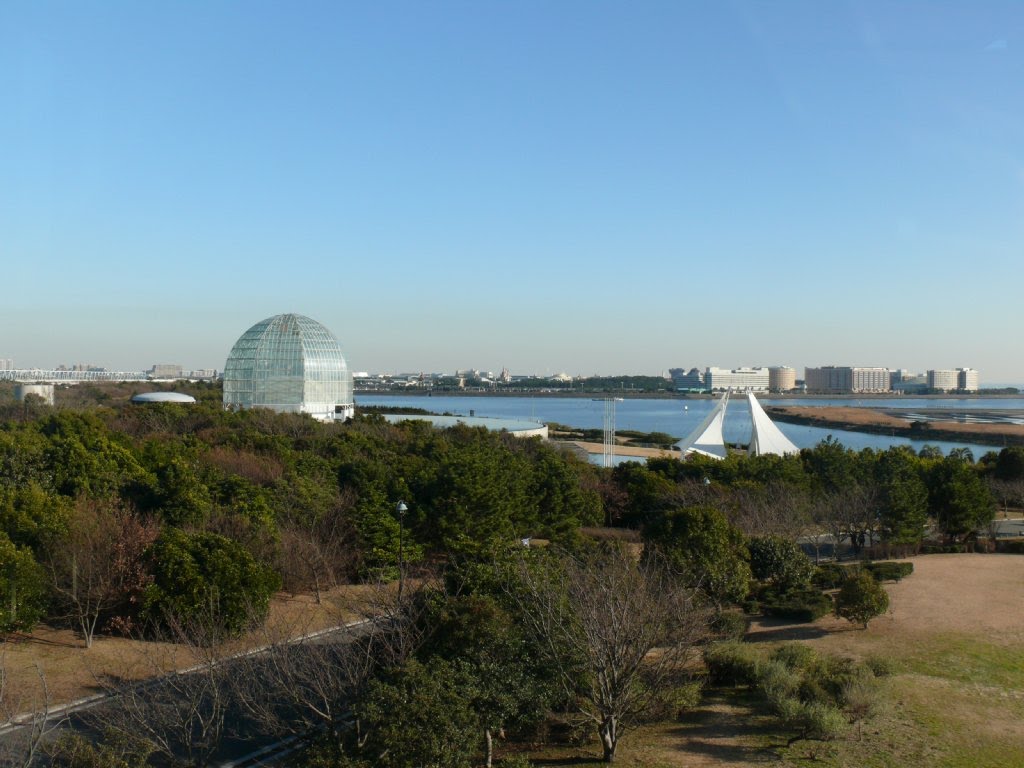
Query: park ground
955	636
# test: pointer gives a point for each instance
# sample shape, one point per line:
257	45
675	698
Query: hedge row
833	575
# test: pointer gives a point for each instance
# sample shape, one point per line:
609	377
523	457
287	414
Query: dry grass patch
72	672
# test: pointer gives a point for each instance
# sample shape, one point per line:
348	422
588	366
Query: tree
1010	463
318	550
420	717
181	712
598	622
849	513
307	682
903	511
701	543
861	599
98	567
780	562
23	592
200	575
508	687
960	501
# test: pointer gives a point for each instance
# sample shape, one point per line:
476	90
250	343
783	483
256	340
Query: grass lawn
955	637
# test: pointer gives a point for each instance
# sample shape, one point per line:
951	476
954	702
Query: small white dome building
289	364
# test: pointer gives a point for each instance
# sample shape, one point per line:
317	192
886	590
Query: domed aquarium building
289	364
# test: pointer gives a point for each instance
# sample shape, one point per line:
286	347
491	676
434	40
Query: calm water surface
679	417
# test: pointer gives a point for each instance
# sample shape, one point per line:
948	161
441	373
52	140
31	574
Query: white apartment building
835	379
946	380
968	380
740	379
781	378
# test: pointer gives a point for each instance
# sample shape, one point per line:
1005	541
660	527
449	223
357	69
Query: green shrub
800	606
674	702
778	681
732	663
823	721
795	655
829	576
889	571
780	562
861	599
1015	547
880	666
833	674
729	625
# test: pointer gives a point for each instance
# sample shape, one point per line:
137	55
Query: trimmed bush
830	576
889	571
861	599
800	606
732	663
1011	547
780	562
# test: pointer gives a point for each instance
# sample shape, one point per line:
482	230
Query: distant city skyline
590	187
174	370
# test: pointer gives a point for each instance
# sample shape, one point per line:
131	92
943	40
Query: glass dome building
290	364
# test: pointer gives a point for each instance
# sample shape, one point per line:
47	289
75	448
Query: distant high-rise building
944	380
740	379
781	378
166	371
6	364
687	380
906	382
838	379
968	380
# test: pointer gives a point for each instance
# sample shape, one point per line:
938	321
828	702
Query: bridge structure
40	376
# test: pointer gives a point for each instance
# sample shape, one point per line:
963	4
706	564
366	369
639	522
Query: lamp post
401	509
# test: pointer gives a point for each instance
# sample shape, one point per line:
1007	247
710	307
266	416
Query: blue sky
581	186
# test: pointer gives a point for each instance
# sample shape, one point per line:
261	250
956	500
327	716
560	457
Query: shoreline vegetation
852	419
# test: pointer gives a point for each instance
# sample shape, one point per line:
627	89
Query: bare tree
318	552
616	631
849	513
180	711
25	722
98	566
304	681
770	509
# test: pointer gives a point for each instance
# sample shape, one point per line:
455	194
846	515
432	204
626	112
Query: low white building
739	379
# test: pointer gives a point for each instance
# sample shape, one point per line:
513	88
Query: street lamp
401	509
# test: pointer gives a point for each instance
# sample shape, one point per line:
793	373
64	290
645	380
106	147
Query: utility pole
401	509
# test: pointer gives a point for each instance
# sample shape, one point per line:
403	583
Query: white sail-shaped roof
765	437
707	438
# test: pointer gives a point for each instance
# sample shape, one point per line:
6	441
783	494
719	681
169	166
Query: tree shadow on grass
730	726
786	633
769	630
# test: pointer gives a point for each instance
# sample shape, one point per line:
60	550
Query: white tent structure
707	438
765	437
